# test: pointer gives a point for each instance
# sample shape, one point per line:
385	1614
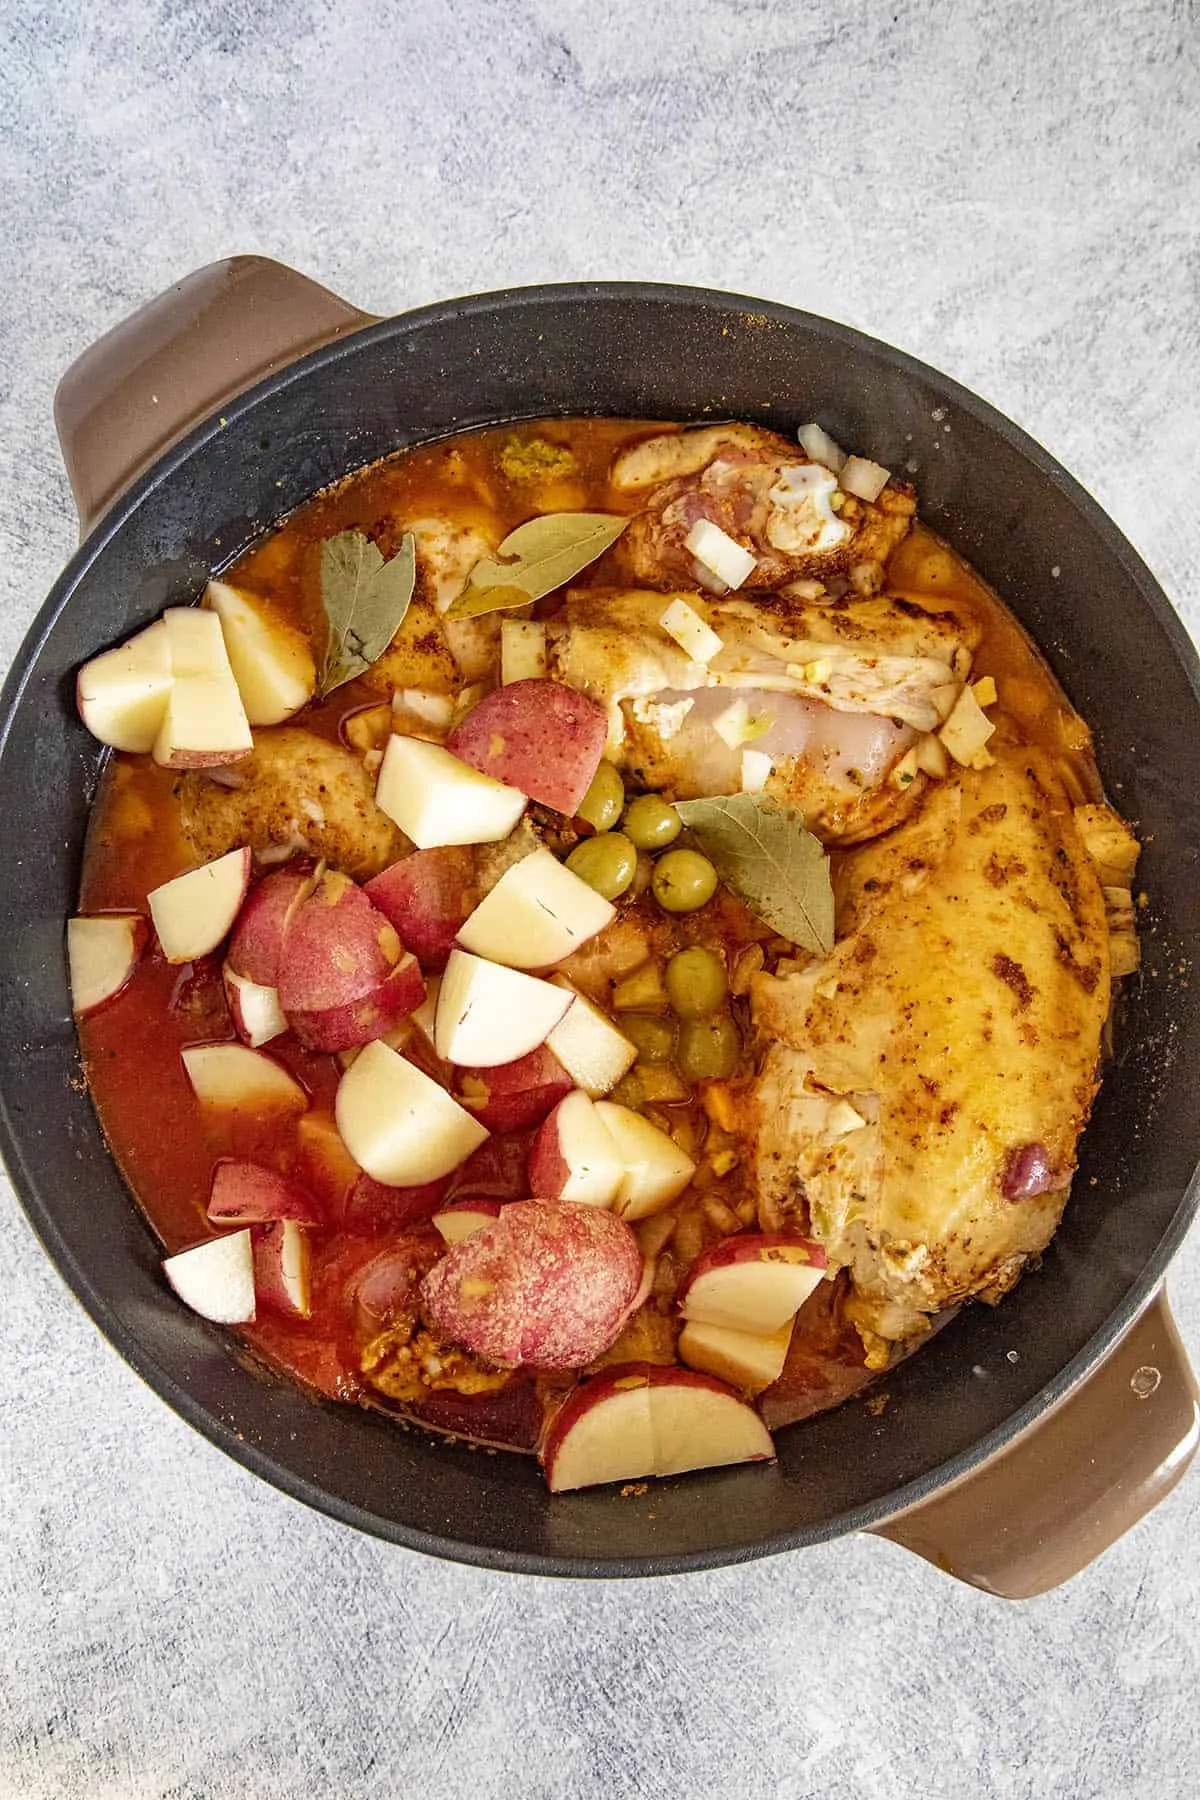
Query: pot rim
863	1518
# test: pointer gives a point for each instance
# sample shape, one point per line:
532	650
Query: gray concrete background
1010	191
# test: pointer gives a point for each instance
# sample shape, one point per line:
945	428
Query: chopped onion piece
931	755
818	444
984	691
905	771
756	770
966	731
720	553
735	726
522	650
864	479
435	709
683	623
842	1119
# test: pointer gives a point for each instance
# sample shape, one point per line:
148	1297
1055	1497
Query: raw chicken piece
765	492
296	791
833	695
924	1087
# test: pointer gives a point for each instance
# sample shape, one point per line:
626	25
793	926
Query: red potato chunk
257	942
514	1096
373	1206
336	949
247	1193
363	1020
538	736
496	1171
546	1286
427	897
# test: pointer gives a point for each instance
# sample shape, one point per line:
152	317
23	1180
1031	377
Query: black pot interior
642	352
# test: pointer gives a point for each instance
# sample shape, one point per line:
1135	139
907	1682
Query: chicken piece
832	695
419	656
924	1086
429	651
765	492
294	792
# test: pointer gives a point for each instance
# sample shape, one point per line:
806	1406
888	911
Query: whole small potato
549	1284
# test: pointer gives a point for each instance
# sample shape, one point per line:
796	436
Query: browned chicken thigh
764	492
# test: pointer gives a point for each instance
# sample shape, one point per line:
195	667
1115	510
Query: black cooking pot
1023	1439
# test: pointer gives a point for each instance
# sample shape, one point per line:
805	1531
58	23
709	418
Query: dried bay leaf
365	600
536	558
762	852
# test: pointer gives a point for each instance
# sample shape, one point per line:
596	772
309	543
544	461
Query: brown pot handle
1071	1484
179	358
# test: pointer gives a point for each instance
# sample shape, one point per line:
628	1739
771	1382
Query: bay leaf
536	558
761	851
365	599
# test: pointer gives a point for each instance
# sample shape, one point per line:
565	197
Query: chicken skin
766	493
923	1088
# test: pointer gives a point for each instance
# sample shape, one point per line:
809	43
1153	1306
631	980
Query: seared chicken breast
826	698
765	492
923	1088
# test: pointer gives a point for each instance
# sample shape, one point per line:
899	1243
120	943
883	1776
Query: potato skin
538	736
547	1286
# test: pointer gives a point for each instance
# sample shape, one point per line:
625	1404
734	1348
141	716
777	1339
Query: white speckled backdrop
1011	191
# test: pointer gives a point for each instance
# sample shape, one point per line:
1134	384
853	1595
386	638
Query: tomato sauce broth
164	1143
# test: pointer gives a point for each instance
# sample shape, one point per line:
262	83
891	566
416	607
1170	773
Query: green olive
683	881
601	806
629	1092
650	823
696	983
607	863
655	1038
709	1048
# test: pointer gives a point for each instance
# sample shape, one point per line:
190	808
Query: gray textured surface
1011	192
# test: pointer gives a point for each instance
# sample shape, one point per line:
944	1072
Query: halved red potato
644	1419
488	1015
371	1016
102	953
374	1206
538	913
257	943
589	1046
538	736
509	1417
255	1010
336	948
547	1286
656	1170
427	896
270	659
752	1282
387	1287
744	1359
282	1269
463	1218
574	1156
513	1096
248	1193
398	1124
437	798
122	694
193	912
216	1278
234	1078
